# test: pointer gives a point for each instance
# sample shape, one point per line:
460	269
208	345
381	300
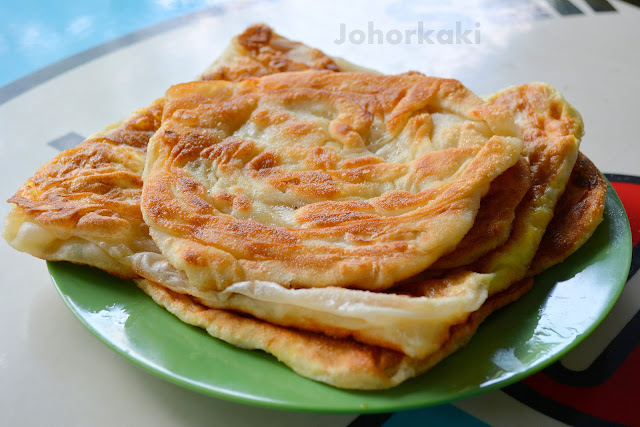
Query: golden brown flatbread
414	318
314	179
84	205
551	131
259	51
347	363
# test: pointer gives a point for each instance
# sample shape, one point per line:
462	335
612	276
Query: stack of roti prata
357	226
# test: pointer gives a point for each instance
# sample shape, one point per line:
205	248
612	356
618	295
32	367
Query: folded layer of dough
343	363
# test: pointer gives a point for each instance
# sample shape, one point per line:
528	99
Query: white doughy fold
414	325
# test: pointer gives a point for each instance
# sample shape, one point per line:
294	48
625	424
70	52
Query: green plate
565	305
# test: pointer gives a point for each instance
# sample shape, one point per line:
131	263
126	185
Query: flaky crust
493	222
315	179
551	131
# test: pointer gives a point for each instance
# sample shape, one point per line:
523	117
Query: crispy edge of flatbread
577	215
552	130
340	362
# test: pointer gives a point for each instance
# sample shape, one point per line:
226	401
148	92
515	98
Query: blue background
35	34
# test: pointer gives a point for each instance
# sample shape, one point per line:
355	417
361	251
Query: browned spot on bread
577	215
265	160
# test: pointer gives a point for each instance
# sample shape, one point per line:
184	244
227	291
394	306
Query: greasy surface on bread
343	363
577	215
315	179
84	205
